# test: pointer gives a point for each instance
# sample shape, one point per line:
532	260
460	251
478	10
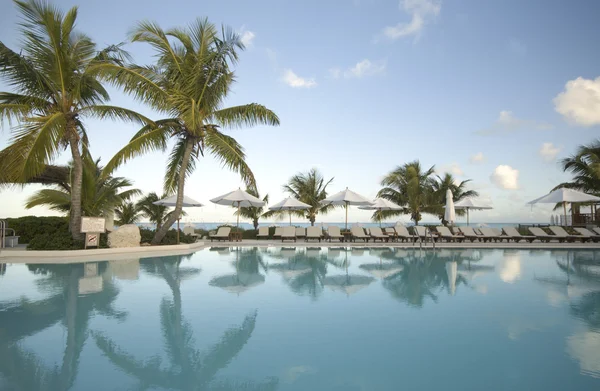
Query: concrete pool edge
78	256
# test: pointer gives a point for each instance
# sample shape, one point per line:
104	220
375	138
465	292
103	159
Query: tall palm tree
155	213
100	194
127	213
54	89
410	187
253	212
189	83
459	191
310	188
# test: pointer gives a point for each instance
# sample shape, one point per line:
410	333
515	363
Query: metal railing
2	233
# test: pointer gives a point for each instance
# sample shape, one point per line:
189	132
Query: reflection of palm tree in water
22	368
304	273
190	369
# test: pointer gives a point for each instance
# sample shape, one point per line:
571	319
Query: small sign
93	224
91	239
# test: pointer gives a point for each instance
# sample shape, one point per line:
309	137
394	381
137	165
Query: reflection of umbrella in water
349	283
382	270
357	251
237	283
334	252
451	270
291	268
313	252
220	250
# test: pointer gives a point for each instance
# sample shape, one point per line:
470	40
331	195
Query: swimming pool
305	319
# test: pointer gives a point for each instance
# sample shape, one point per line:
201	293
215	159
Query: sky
492	91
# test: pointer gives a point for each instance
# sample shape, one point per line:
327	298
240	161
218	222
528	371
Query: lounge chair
188	230
489	234
588	234
278	232
542	236
445	234
377	234
300	232
469	234
288	233
391	233
421	232
263	233
313	233
402	233
222	234
597	230
512	233
359	233
333	232
560	232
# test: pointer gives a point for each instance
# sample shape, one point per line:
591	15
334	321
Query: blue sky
493	91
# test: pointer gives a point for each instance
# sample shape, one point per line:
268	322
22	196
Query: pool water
305	319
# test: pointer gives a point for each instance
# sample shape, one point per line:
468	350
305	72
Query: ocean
213	225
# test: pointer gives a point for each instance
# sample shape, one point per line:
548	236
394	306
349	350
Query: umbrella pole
467	217
238	217
346	205
290	212
178	230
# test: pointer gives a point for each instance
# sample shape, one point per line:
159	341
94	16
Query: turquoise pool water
305	319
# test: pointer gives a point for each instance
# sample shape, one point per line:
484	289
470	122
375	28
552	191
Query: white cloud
420	12
548	152
477	158
579	103
247	38
452	168
507	122
510	267
295	81
505	177
335	73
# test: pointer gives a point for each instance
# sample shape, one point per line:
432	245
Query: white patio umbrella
470	204
564	196
380	204
172	201
450	213
290	204
345	198
238	198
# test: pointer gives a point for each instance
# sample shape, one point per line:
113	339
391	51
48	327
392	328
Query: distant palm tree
310	188
254	212
410	187
127	213
156	214
585	166
100	194
189	84
459	192
54	89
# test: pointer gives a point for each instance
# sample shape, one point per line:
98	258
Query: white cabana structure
381	204
450	213
564	196
345	198
172	201
290	204
238	198
470	204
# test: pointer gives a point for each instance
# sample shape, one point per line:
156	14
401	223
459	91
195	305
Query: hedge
29	226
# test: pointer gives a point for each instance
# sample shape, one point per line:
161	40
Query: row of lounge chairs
401	233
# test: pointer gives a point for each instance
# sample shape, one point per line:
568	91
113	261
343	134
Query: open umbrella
470	204
172	201
450	213
564	196
238	198
290	204
238	282
380	204
345	198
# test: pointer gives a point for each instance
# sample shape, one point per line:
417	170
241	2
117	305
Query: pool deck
20	255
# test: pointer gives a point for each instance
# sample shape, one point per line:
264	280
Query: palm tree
310	188
411	187
188	84
254	212
100	194
54	90
459	192
127	213
155	213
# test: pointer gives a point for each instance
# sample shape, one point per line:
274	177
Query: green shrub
28	227
61	240
170	238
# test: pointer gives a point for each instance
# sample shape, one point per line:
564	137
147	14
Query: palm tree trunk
76	181
255	224
160	233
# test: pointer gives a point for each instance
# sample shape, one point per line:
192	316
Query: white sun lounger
359	233
561	233
512	233
333	232
489	235
469	234
588	234
222	234
300	232
402	233
422	232
263	233
314	233
288	233
542	236
377	234
278	232
444	233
